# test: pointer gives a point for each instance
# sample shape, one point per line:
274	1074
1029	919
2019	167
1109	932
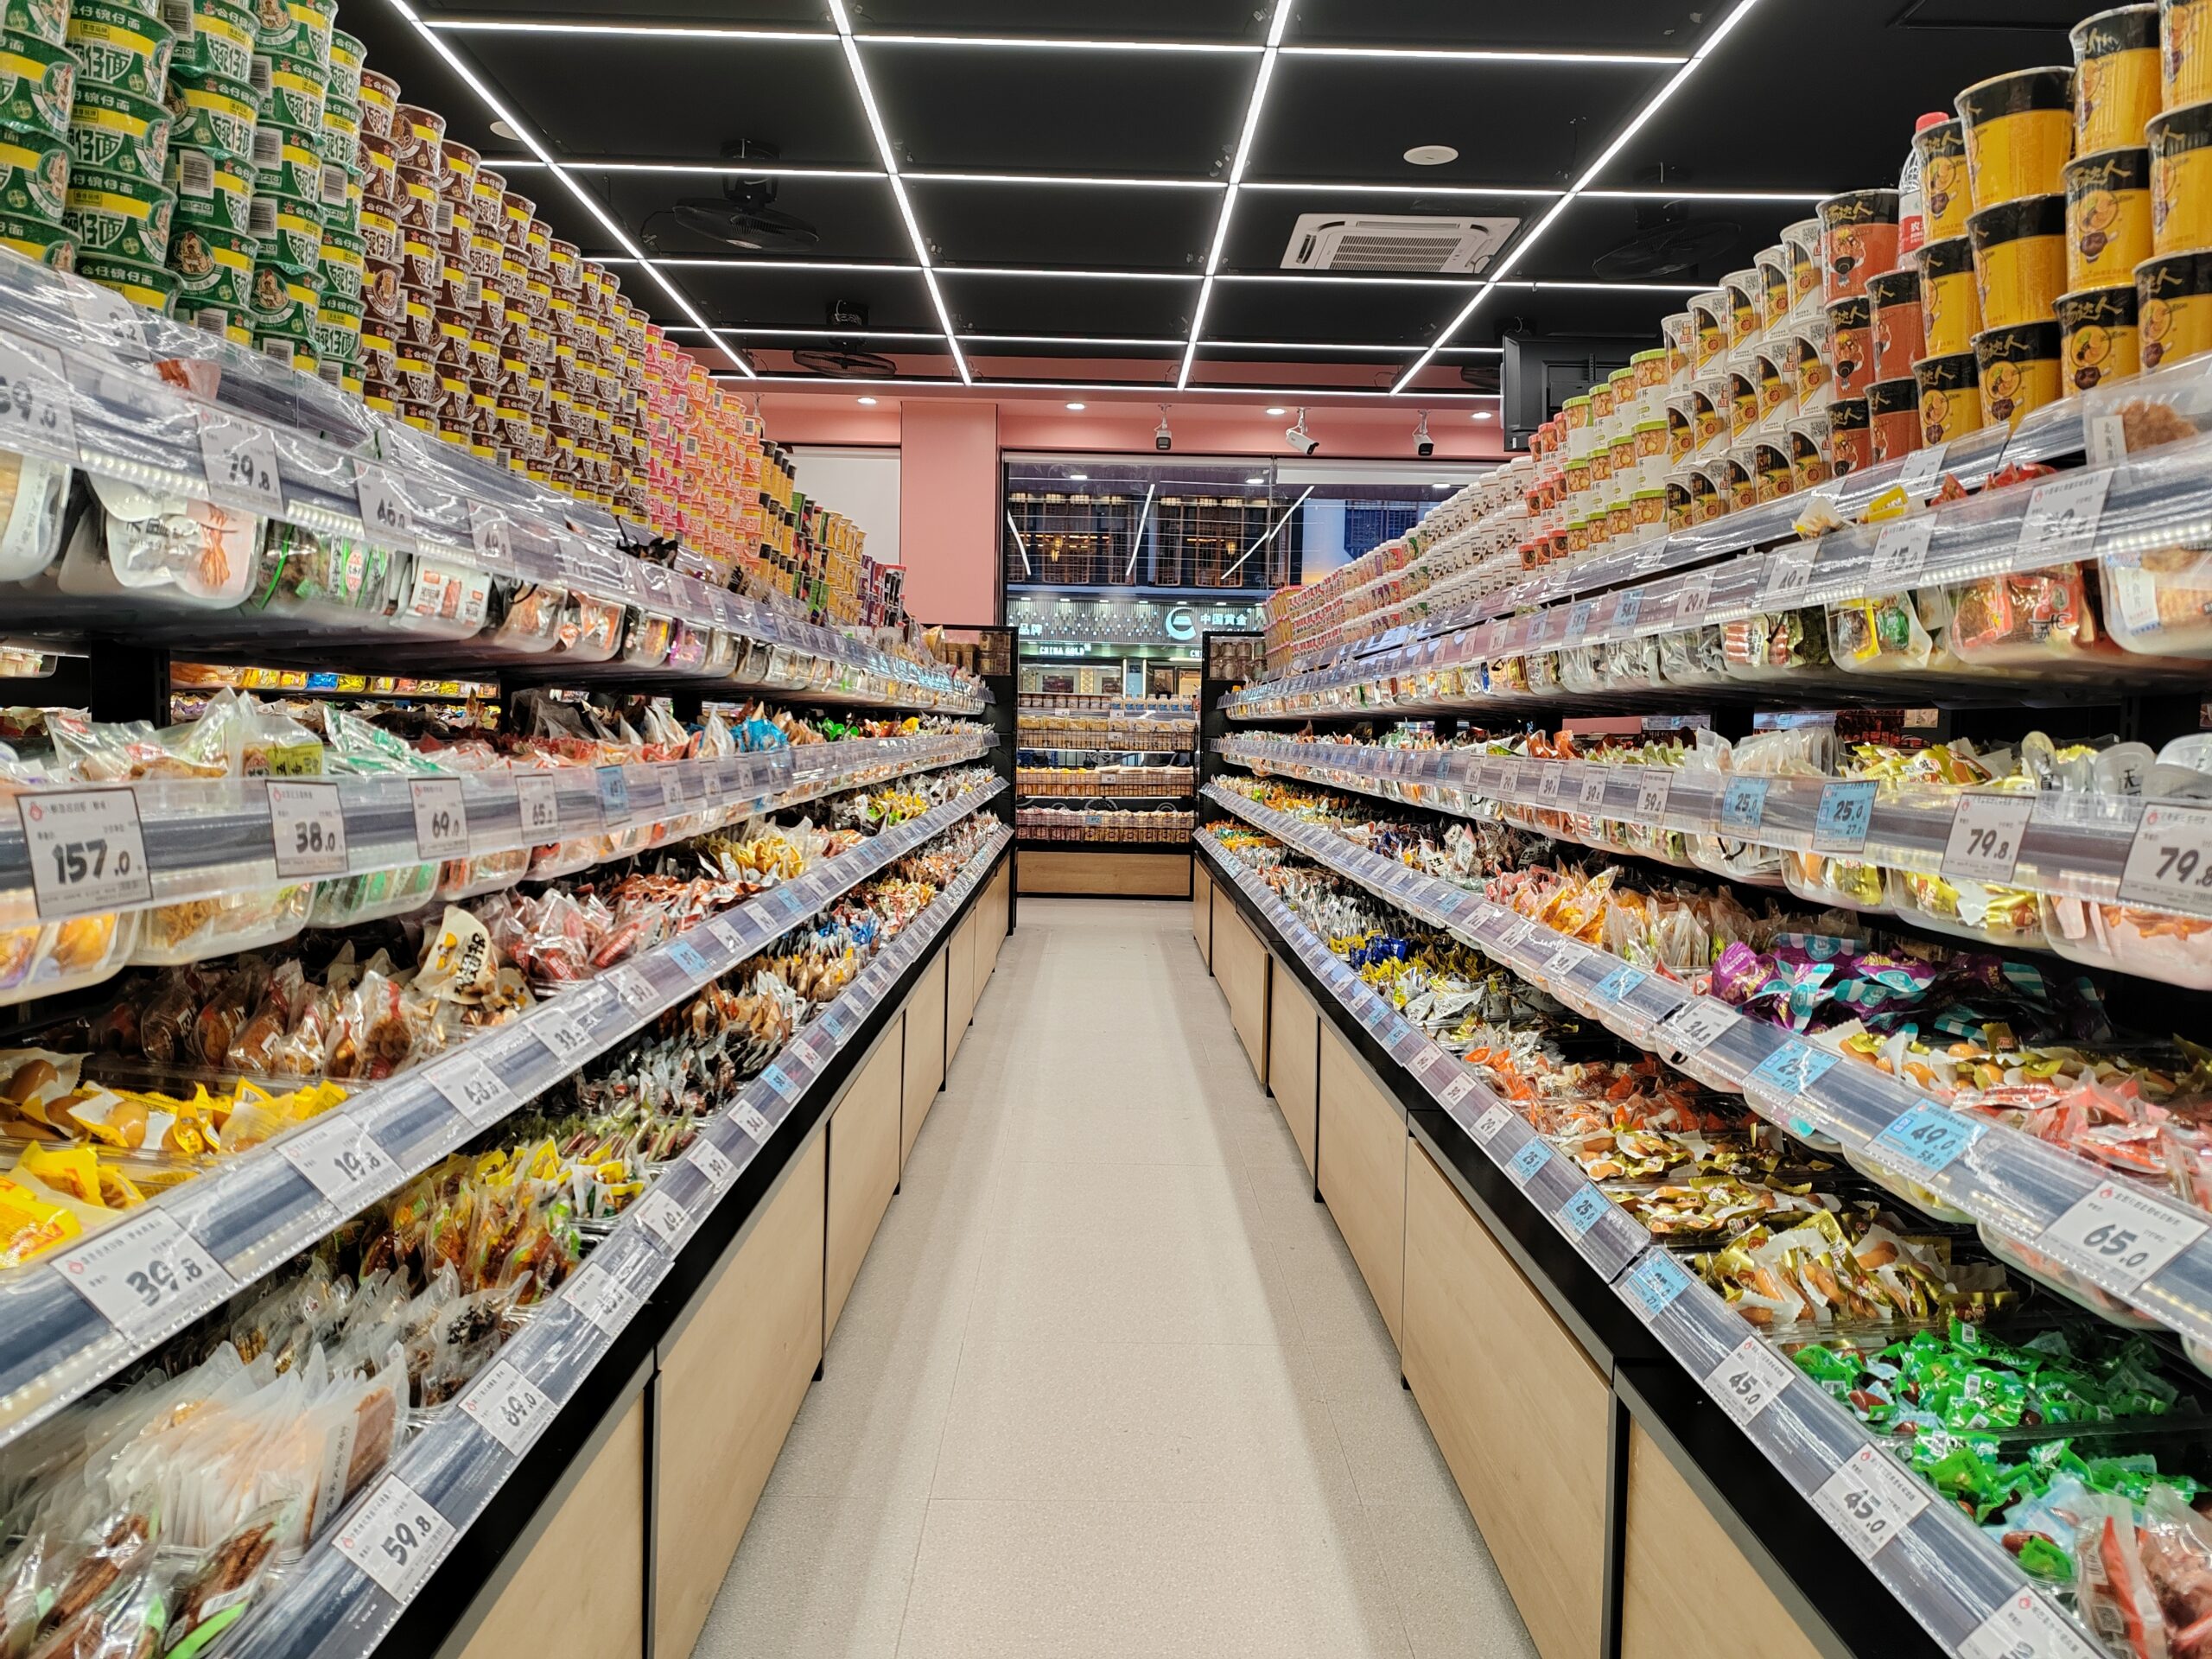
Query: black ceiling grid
1067	162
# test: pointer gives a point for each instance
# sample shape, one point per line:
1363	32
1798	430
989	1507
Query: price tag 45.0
1749	1380
87	851
1870	1499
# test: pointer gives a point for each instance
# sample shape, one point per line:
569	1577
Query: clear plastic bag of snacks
1694	656
334	579
529	617
47	958
1887	635
1777	645
2158	600
171	548
2044	620
32	494
1988	914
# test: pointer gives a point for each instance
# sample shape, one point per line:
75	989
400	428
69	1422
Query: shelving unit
1102	787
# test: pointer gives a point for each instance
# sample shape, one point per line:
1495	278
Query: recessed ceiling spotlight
505	130
867	400
1279	410
1482	414
1440	486
1076	406
1432	155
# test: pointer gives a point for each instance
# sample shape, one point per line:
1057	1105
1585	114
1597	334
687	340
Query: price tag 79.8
241	458
87	852
2169	861
1985	839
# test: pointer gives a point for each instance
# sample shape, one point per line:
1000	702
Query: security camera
1299	439
1163	439
1424	446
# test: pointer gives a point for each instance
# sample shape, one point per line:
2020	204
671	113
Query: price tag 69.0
241	458
507	1406
340	1157
538	799
1870	1499
87	849
144	1273
395	1537
385	515
307	821
2169	861
2118	1237
440	818
1749	1380
1847	813
1743	803
1984	839
473	1089
35	418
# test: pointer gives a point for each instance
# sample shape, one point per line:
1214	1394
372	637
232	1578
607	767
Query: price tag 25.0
395	1537
307	821
35	418
1743	804
87	851
440	818
1847	813
507	1406
1870	1499
2027	1627
144	1273
241	458
1984	839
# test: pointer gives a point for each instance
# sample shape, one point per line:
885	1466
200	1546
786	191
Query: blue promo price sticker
1846	815
1794	1068
1616	986
1743	803
1929	1136
1532	1157
1583	1210
1654	1283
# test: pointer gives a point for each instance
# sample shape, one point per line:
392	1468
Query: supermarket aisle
1110	1383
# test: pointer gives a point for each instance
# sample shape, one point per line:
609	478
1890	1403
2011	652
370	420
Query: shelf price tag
1794	1068
663	1217
1697	1025
2169	862
1524	1164
1487	1125
1628	605
87	851
240	458
1591	793
2063	515
538	800
1870	1499
1899	552
385	515
1929	1137
564	1034
1616	986
144	1273
2118	1237
614	797
1789	573
474	1089
1458	1088
781	1081
111	320
1847	813
712	1163
440	818
1578	619
396	1536
307	822
1584	1207
685	956
491	536
1652	790
340	1158
36	418
602	1298
1692	598
1743	803
1548	786
507	1406
1984	839
2028	1627
1563	959
635	990
1749	1381
1653	1282
750	1120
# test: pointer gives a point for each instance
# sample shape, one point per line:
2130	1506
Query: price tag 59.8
35	418
144	1273
307	821
241	458
440	818
1984	839
87	851
395	1537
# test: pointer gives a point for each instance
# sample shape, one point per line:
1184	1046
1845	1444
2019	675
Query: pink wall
949	510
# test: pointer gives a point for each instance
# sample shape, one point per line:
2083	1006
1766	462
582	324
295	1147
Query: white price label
2061	518
1788	574
1458	1088
1870	1499
395	1537
727	931
440	818
36	418
663	1217
636	991
2028	1627
537	799
1749	1380
491	536
110	319
1692	599
1487	1125
564	1034
307	821
1592	794
508	1406
341	1159
144	1273
750	1120
713	1164
1548	786
1697	1025
601	1296
2104	439
385	515
2118	1237
1985	842
1563	960
2169	862
87	849
474	1089
1922	467
1899	552
241	458
1651	792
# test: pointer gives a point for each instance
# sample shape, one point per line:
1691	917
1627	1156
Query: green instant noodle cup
344	263
42	20
33	176
294	96
142	284
338	330
120	131
222	43
212	191
341	143
348	57
121	45
285	161
38	83
213	266
296	33
213	114
290	230
121	217
47	241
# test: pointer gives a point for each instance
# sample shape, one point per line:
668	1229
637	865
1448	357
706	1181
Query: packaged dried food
174	549
1775	644
2158	600
2031	618
33	492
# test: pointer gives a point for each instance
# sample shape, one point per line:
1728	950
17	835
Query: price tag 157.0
341	1157
538	799
395	1537
35	418
87	851
1870	1499
440	818
307	821
507	1406
1749	1380
2169	861
1984	839
144	1273
385	515
241	458
2120	1238
1847	813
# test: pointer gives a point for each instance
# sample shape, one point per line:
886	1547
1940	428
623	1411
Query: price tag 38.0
241	458
87	851
2119	1237
35	418
1749	1380
1870	1499
508	1406
395	1537
1984	839
144	1273
341	1157
440	818
2169	861
307	821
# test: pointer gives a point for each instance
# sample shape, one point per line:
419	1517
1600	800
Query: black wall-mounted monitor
1541	371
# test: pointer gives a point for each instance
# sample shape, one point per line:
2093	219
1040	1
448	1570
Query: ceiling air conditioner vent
1395	242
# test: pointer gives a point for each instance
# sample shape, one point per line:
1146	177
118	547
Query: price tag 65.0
507	1406
340	1157
86	850
538	798
474	1089
385	515
1984	839
144	1273
308	823
2169	861
1749	1380
35	418
440	818
240	458
1847	813
2119	1237
1870	1499
395	1537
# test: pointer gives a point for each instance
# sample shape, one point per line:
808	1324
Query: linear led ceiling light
1668	88
890	161
529	138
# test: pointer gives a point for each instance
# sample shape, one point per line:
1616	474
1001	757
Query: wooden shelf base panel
1098	875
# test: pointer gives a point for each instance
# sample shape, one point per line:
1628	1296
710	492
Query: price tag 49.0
1929	1136
385	515
308	823
144	1273
87	851
341	1157
2169	861
395	1537
1870	1499
240	458
2118	1237
440	818
538	797
1749	1380
663	1217
35	418
1985	841
508	1406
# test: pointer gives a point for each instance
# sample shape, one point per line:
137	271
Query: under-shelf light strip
1657	101
890	159
524	132
1257	102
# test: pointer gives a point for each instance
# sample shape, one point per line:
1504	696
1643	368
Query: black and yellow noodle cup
2019	131
2018	369
1945	200
2097	337
1950	397
2115	78
2173	302
2184	52
1950	297
2019	258
2108	216
2180	142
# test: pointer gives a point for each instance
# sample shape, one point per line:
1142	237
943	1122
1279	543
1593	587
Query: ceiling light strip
528	137
659	31
1246	134
1198	323
1065	339
1275	531
830	334
1488	54
1122	181
1144	390
1652	106
1136	537
1060	43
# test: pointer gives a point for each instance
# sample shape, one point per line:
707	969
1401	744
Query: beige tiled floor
1108	1383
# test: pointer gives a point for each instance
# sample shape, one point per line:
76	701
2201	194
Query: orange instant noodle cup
1893	417
1900	339
1800	239
1851	345
1851	439
1858	240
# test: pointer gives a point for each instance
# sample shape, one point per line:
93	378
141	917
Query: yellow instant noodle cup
2096	337
1945	201
2108	216
1950	298
2173	306
1950	397
2020	133
2115	78
2019	258
2018	370
2181	179
2184	52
